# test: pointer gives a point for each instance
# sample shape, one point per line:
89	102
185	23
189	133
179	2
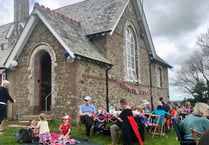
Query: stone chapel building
54	58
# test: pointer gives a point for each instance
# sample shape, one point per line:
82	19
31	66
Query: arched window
159	77
130	55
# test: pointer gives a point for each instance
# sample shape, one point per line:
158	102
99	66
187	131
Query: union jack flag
2	71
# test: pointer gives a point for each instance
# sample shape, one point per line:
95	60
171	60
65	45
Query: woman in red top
65	128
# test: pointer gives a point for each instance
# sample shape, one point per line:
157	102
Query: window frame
159	76
3	76
131	54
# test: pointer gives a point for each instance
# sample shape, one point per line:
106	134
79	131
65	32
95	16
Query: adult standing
87	111
126	111
4	98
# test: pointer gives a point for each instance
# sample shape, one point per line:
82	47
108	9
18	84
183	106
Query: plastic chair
196	133
179	134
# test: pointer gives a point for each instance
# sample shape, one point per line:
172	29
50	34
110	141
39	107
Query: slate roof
72	35
7	49
96	16
160	60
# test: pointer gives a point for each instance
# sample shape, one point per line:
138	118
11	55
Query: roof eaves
36	11
144	26
89	35
162	62
117	21
20	43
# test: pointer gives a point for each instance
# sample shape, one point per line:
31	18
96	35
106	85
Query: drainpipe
107	92
150	76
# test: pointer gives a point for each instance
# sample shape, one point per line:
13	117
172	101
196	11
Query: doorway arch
44	82
42	78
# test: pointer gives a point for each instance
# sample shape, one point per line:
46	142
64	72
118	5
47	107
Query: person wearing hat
65	128
146	107
87	111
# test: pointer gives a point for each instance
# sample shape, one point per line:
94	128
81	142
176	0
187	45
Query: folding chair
120	134
195	134
179	134
79	128
156	125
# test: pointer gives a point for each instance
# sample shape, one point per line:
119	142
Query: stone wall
63	75
71	82
115	50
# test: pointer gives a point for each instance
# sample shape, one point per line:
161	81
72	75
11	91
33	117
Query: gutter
150	76
107	86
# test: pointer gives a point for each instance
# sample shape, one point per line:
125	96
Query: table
100	121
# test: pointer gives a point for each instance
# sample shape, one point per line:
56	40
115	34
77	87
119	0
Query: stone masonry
71	81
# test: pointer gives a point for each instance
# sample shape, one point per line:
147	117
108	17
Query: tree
193	76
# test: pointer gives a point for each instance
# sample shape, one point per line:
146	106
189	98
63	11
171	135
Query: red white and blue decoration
127	87
104	116
2	71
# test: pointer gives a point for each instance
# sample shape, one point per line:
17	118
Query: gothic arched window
130	55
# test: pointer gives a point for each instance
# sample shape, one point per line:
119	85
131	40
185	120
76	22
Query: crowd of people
190	117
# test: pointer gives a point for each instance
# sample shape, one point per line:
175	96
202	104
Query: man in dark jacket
4	98
120	120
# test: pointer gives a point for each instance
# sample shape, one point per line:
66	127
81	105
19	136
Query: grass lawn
8	137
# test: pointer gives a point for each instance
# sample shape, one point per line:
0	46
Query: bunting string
127	87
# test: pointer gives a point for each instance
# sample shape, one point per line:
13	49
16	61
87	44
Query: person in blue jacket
160	111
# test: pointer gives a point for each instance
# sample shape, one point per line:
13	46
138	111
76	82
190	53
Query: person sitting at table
161	102
86	115
173	111
126	111
189	107
166	107
160	111
197	120
138	110
146	107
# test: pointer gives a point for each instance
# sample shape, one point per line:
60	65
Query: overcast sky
174	25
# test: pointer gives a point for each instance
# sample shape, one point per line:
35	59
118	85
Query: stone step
27	118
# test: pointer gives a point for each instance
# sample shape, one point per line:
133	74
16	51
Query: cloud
54	4
175	17
6	11
7	7
175	26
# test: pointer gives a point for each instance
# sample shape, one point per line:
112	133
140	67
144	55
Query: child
34	128
44	133
65	128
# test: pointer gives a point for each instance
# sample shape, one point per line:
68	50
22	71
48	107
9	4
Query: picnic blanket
55	141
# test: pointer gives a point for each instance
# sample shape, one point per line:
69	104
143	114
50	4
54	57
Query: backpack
25	135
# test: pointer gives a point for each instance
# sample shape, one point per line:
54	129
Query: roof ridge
70	5
6	24
57	14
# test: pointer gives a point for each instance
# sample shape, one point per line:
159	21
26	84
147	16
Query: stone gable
72	81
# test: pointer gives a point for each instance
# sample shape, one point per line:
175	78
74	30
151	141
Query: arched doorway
45	82
42	80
